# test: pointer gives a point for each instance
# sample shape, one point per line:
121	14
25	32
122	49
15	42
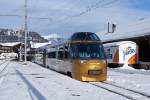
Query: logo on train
128	51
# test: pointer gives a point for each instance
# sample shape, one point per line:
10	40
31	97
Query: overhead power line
98	4
13	15
10	15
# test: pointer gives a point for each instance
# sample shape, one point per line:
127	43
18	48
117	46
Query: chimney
113	28
108	28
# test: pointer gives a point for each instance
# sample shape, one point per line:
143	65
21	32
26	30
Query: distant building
11	47
139	32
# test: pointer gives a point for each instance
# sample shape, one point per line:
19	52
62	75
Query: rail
122	91
3	66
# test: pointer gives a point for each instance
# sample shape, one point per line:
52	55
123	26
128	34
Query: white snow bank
125	66
10	44
38	45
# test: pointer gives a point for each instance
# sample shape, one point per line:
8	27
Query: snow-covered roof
138	29
10	44
52	36
118	43
38	45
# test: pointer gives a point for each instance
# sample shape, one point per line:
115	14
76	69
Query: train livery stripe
116	56
133	59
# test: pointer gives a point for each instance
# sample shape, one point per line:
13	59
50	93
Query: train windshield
87	51
85	36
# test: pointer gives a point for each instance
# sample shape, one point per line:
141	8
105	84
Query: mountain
10	35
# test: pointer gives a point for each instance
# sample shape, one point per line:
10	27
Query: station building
10	49
138	32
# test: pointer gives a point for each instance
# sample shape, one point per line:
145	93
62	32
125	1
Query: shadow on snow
31	88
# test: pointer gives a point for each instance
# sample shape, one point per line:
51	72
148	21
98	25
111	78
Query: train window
92	36
78	37
108	52
60	54
85	36
87	51
67	55
52	55
73	51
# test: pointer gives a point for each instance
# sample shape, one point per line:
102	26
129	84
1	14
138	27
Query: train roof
138	29
84	36
39	45
11	44
78	37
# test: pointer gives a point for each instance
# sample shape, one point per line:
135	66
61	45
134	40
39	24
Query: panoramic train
121	53
81	57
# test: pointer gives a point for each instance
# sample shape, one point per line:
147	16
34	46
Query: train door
67	61
60	61
44	57
51	57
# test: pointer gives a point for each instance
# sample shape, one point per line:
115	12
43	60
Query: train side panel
128	53
38	59
57	62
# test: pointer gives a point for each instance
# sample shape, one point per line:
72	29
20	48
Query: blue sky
67	16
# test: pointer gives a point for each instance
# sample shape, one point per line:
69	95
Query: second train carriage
82	57
121	53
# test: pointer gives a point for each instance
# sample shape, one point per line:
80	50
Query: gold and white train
82	57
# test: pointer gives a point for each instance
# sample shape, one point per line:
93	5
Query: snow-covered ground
133	79
1	61
2	64
32	82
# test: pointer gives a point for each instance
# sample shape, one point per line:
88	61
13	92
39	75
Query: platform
33	82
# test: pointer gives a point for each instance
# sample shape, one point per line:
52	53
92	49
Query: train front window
85	36
87	51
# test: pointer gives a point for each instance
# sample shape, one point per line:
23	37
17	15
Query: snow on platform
32	82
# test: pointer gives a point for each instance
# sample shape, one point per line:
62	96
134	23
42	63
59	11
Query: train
81	57
122	53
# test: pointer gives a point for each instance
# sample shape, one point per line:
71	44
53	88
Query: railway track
126	71
3	66
3	62
130	94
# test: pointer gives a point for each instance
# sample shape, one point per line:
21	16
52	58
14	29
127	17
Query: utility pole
20	55
25	30
20	49
108	29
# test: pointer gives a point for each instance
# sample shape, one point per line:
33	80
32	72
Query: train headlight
82	61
